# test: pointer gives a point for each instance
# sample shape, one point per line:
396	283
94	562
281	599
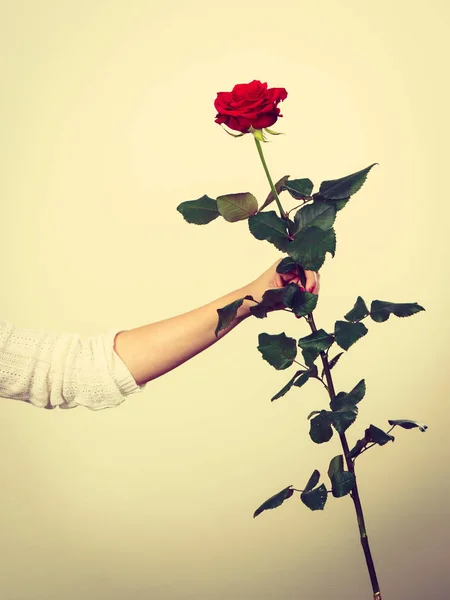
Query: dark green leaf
333	361
380	310
312	481
348	333
374	434
300	189
303	303
342	482
287	387
200	212
406	424
310	247
318	214
343	400
343	418
278	187
268	226
339	204
313	344
358	448
287	265
343	188
302	379
228	313
279	350
275	500
315	499
320	429
237	207
276	299
358	312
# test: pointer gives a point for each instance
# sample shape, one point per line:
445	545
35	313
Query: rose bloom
249	104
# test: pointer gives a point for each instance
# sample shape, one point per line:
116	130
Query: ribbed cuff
121	374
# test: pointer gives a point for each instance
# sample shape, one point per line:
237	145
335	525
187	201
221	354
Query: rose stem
351	467
274	191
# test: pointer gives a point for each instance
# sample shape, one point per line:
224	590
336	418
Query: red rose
249	104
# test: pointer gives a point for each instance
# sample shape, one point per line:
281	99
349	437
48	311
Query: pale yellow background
107	124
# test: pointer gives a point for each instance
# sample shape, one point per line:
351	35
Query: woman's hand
271	279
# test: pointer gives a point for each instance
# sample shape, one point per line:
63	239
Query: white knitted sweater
66	370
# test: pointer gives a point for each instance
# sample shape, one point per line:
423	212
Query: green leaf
358	312
374	434
315	499
339	204
237	207
287	387
380	310
268	226
278	350
303	303
348	333
358	448
312	481
300	189
272	132
311	372
342	482
275	299
287	265
320	429
332	362
228	313
318	214
274	501
278	187
343	188
343	400
310	247
200	212
313	344
343	418
406	424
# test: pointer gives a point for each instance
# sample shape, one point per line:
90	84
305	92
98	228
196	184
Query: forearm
151	350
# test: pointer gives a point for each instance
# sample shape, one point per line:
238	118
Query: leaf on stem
278	350
278	188
343	399
320	429
343	188
288	386
310	247
274	501
237	207
318	214
314	499
312	345
200	211
358	312
407	424
380	311
377	435
287	265
343	418
228	313
332	362
300	189
347	334
268	226
342	482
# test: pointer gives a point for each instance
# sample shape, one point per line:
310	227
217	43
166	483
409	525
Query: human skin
152	350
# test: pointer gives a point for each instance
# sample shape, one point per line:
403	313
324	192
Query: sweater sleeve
66	370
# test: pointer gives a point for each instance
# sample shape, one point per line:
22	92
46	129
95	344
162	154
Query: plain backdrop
107	125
